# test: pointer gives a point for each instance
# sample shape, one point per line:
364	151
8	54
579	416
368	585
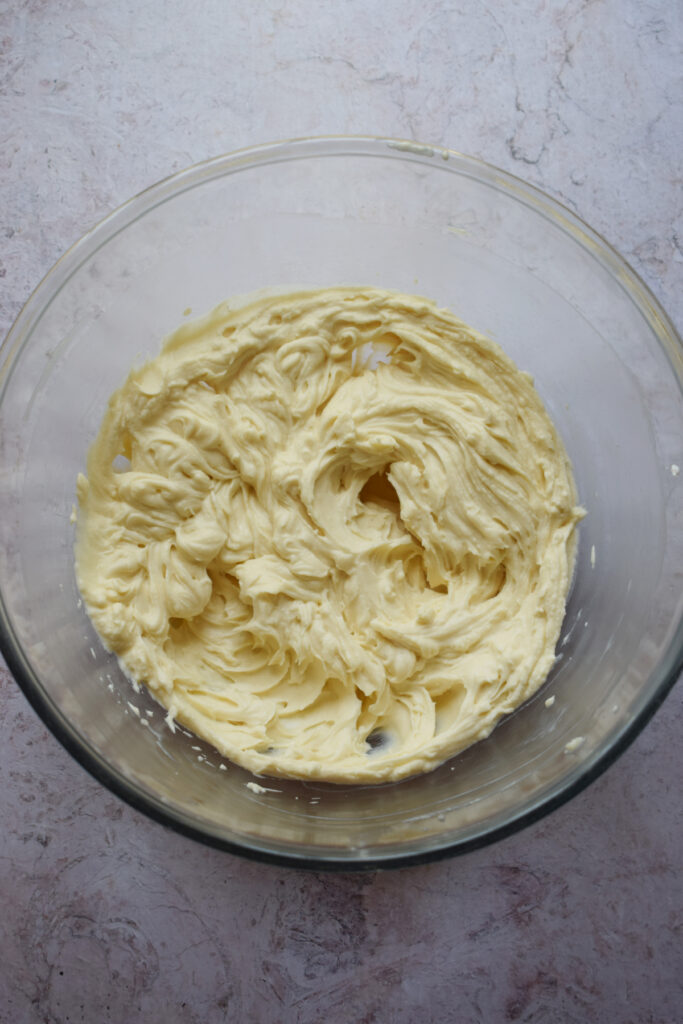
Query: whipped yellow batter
340	542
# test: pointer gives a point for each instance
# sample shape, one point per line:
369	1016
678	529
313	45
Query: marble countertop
110	917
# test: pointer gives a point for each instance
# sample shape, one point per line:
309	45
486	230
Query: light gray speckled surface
108	917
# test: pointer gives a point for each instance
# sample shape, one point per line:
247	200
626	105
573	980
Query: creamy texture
331	531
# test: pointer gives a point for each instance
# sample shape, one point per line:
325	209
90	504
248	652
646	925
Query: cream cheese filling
331	531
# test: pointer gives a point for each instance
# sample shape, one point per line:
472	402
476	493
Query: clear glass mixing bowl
506	259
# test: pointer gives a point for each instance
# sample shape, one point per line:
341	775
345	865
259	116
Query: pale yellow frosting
342	544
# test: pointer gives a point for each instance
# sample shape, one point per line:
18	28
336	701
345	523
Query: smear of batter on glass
332	532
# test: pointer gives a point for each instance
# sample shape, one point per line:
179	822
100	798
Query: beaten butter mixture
331	531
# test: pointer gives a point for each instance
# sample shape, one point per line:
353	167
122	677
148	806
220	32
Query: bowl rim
277	151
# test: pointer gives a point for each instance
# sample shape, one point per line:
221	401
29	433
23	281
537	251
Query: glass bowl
509	261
